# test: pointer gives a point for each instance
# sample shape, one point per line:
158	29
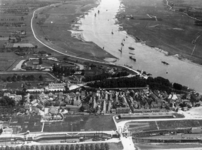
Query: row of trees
102	146
6	101
63	70
16	78
157	83
105	76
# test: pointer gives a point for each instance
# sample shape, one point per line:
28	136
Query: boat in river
131	48
132	58
165	63
132	53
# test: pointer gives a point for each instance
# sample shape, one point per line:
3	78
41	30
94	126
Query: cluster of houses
52	87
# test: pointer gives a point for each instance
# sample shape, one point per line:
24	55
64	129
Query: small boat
112	32
131	48
132	58
165	63
98	11
132	53
95	15
120	50
122	44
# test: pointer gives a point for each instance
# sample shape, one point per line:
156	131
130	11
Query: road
72	56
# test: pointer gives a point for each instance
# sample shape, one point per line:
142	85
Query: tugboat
165	63
131	48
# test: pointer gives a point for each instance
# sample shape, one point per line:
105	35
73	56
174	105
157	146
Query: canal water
103	29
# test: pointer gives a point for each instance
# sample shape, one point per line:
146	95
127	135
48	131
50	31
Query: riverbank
168	30
56	26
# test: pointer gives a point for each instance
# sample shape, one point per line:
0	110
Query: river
99	28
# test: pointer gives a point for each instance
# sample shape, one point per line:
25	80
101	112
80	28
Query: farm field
71	123
171	31
7	60
146	146
81	123
156	125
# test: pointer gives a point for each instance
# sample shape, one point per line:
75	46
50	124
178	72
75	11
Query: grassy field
78	123
147	146
7	60
52	26
172	31
71	123
156	125
21	124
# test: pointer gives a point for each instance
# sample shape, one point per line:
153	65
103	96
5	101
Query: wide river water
99	28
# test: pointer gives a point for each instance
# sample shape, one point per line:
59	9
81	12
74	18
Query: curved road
85	59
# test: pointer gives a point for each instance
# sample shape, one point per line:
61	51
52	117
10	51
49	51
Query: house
23	45
15	97
55	87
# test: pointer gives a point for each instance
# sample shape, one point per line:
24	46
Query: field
79	123
71	123
170	30
53	26
155	125
7	60
147	146
21	124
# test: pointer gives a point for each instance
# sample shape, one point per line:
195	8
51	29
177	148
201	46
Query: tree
7	148
37	147
41	78
102	146
97	147
72	147
23	147
40	61
82	147
47	147
77	147
62	147
67	147
32	147
92	147
52	147
87	147
19	78
27	148
8	79
106	146
56	147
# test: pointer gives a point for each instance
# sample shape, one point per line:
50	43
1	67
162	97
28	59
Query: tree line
16	78
157	83
102	146
105	76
